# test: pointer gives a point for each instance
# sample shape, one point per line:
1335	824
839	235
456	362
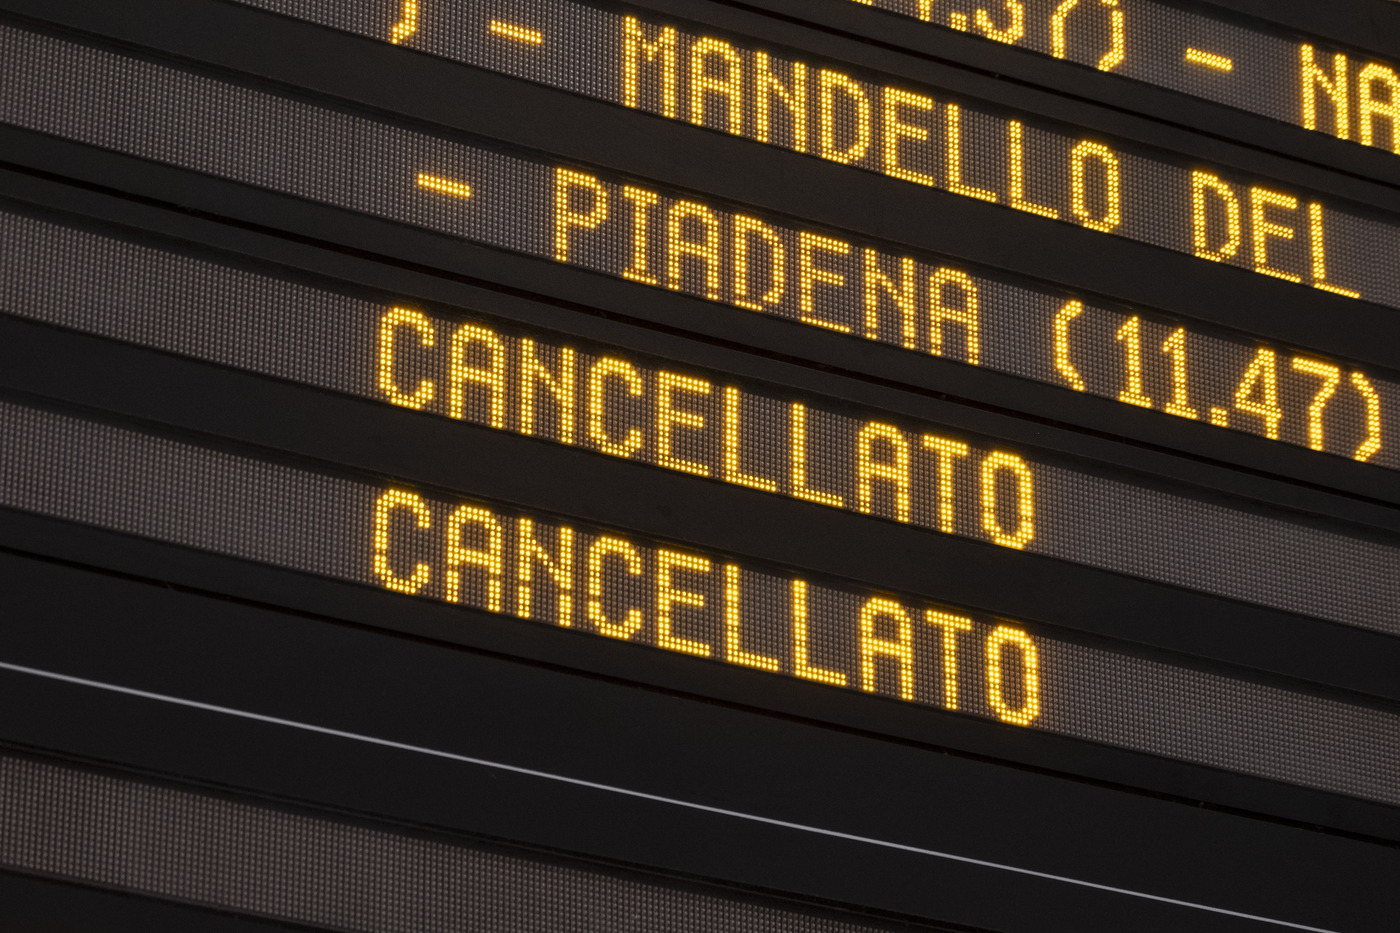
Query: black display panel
545	569
426	513
702	424
646	234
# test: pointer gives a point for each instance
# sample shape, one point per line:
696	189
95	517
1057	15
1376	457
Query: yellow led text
692	604
709	82
688	424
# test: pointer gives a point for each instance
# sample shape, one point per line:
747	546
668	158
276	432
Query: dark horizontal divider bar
665	746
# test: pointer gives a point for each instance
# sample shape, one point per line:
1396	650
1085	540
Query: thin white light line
642	795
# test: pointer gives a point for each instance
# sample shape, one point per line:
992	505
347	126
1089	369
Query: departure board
692	465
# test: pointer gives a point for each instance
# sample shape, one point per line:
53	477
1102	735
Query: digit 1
1130	334
1175	347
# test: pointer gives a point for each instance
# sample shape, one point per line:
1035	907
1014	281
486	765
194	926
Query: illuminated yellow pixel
1130	335
1317	246
734	652
1060	338
407	24
394	320
902	292
567	183
1206	189
456	189
1372	104
1014	28
950	625
1258	392
1336	85
488	558
1175	349
801	645
490	375
1112	215
1016	174
873	646
792	94
706	249
810	275
1372	445
1209	60
1118	40
516	33
1331	376
999	464
661	51
669	417
1262	229
642	202
945	451
1005	637
732	432
889	465
728	86
894	130
797	417
602	371
599	551
747	230
383	509
963	310
561	383
830	85
559	566
952	135
668	595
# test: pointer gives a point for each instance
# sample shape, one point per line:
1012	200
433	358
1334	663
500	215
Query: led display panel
703	424
1246	64
685	243
449	549
923	136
